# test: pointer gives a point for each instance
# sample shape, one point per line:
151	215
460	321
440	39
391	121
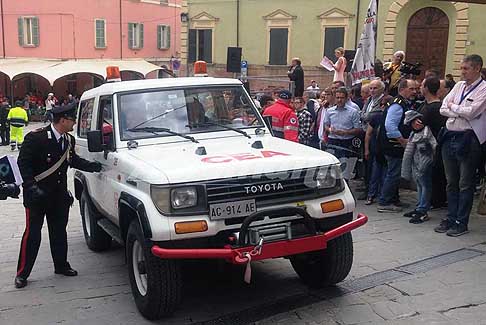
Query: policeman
284	120
43	162
17	118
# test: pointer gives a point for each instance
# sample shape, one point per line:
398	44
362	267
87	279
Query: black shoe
20	282
443	227
68	271
457	230
419	217
410	214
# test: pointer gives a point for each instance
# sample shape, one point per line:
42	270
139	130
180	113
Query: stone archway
462	26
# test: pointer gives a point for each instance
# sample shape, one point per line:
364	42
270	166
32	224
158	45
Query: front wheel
328	266
156	283
96	238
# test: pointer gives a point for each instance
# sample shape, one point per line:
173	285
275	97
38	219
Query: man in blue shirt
393	138
342	123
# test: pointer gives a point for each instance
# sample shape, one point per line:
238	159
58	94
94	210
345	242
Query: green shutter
35	31
20	22
168	37
159	37
130	35
141	36
100	33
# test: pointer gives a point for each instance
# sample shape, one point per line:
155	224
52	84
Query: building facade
89	29
435	33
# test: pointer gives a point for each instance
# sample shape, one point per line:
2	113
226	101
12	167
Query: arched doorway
427	36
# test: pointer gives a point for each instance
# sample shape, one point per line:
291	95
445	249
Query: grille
269	189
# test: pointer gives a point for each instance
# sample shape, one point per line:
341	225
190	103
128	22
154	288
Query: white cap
50	94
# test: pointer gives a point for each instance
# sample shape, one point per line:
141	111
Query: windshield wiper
224	127
156	131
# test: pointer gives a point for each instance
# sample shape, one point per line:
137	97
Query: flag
9	171
364	60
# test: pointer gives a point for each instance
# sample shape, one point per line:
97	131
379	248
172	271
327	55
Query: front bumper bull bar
236	255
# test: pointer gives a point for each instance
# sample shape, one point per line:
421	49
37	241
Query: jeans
424	191
389	190
377	177
460	162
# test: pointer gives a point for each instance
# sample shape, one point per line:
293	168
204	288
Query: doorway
427	38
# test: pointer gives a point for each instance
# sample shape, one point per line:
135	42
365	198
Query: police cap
67	110
19	103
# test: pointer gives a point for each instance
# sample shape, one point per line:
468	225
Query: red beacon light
113	74
200	69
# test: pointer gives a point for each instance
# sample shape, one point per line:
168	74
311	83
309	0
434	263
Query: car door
105	187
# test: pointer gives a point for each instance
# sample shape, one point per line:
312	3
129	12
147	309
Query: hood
228	157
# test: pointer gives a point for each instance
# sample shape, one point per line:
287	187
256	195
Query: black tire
163	286
328	266
96	238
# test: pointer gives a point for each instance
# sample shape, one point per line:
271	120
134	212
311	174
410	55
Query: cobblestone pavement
101	293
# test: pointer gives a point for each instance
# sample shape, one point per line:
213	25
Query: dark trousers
57	217
5	135
391	183
461	158
439	183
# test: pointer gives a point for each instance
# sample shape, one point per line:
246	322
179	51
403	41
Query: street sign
244	70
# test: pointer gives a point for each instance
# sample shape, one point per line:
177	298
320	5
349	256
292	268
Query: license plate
232	209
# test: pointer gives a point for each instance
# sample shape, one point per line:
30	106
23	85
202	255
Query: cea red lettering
242	156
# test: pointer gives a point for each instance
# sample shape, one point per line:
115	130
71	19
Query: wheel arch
131	208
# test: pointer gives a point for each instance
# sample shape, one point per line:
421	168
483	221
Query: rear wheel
156	283
96	238
328	266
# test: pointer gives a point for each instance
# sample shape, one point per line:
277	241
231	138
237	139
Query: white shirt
58	135
461	114
49	104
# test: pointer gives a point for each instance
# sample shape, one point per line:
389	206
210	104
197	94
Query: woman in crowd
340	64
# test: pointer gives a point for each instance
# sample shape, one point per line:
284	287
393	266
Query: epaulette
37	130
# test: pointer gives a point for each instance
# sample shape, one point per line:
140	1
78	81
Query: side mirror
95	141
268	122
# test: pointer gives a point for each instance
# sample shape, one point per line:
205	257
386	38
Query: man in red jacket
284	121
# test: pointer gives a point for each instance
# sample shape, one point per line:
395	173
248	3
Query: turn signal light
190	226
332	206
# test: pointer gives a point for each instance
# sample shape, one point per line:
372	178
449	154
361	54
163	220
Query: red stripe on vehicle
23	250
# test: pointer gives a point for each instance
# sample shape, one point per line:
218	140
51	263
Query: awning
52	70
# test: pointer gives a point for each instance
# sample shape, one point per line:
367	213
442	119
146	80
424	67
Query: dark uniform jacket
39	152
392	147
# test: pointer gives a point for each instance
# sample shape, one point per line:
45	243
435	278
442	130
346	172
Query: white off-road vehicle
191	171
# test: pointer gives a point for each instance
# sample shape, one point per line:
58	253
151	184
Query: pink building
87	30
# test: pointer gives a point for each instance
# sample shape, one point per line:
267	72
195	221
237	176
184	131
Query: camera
410	69
9	190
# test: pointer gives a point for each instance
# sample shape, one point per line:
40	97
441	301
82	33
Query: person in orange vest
284	121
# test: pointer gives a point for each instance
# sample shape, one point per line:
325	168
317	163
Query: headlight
161	198
328	177
183	197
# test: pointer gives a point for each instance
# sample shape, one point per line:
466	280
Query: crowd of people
13	118
431	132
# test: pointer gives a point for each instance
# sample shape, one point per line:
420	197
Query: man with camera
43	162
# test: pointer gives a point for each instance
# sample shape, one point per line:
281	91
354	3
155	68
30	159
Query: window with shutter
279	38
100	33
163	37
333	38
201	45
28	28
192	45
135	35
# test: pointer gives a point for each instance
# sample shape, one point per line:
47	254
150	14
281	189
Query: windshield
186	111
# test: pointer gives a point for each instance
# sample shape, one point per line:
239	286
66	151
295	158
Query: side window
85	117
105	122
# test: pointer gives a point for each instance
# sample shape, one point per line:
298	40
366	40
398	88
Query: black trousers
57	213
5	135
